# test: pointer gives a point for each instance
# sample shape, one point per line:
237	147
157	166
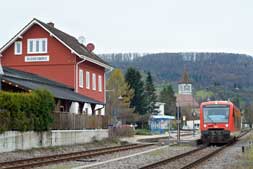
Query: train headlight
226	125
205	125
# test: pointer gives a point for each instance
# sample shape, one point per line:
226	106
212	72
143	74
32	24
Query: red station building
55	60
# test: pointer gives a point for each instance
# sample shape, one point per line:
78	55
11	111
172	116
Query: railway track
189	159
47	160
153	140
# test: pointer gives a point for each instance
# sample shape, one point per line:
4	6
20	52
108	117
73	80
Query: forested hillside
205	69
219	75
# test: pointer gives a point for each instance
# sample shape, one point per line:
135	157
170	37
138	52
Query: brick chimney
51	24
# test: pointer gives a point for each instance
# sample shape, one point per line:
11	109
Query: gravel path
228	158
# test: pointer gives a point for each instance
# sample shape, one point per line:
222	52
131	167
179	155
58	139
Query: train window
216	113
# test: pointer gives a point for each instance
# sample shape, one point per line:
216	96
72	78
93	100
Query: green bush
4	121
26	111
142	132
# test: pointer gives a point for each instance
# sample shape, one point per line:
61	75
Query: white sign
36	58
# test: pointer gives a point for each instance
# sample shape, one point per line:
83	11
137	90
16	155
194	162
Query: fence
67	121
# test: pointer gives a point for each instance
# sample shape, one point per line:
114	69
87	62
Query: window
18	48
87	80
81	78
30	44
37	45
93	81
216	113
100	83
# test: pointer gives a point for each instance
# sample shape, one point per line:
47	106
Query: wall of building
61	64
189	124
13	140
160	108
98	71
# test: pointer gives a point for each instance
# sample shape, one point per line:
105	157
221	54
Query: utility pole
193	115
178	109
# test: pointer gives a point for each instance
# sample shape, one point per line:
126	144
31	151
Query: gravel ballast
144	159
16	155
229	158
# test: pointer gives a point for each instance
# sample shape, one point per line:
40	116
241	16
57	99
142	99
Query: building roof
185	100
67	40
32	82
185	78
162	117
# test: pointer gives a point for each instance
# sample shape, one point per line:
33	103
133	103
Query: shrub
26	111
4	121
143	132
122	131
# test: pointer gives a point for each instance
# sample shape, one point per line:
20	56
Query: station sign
36	58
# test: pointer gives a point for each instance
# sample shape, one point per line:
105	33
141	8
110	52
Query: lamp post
110	119
115	113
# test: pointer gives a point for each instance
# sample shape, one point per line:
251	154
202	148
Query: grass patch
156	152
245	160
142	132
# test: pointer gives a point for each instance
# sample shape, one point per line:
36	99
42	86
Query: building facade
185	98
41	49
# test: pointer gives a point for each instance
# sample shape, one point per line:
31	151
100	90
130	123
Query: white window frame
15	48
34	46
87	80
94	81
99	83
80	78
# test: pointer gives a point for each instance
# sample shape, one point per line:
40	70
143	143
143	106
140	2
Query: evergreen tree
248	115
133	78
118	98
167	96
150	94
236	101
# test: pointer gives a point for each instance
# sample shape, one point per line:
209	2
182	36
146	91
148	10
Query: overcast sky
141	25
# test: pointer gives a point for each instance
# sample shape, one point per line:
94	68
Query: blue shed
158	124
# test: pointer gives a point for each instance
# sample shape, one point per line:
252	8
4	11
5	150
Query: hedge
26	111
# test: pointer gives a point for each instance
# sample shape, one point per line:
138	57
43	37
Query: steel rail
172	158
199	161
58	155
195	163
204	158
52	159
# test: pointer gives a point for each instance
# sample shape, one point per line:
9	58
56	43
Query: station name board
36	58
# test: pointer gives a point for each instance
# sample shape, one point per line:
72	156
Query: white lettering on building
36	58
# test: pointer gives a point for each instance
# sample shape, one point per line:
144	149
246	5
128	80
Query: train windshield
216	113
